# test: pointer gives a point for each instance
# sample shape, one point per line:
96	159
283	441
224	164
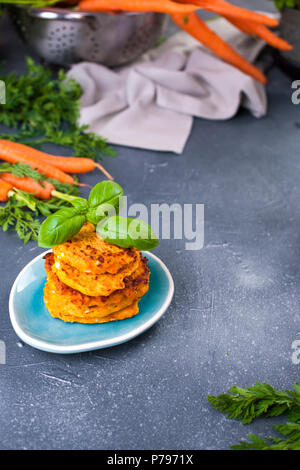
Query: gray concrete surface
234	316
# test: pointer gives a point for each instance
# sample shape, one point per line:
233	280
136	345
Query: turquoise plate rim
92	345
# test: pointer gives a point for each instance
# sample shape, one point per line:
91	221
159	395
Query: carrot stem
65	197
20	197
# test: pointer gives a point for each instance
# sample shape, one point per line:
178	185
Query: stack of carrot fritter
92	281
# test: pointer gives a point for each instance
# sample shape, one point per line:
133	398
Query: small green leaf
60	227
105	199
127	233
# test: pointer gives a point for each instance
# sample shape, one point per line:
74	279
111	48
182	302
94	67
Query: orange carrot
66	164
10	153
223	8
162	6
40	190
262	32
74	164
197	28
4	190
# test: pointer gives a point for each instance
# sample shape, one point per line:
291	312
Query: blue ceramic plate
35	326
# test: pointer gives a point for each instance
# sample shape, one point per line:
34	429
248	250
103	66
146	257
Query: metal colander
64	37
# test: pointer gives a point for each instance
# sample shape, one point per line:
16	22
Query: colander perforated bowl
64	37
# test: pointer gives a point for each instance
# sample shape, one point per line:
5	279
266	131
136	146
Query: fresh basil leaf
105	192
61	226
80	204
100	213
127	233
105	199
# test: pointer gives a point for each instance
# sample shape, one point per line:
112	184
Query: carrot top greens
44	109
263	400
23	212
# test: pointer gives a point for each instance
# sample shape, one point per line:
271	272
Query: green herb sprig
23	212
263	400
21	170
24	223
104	202
35	3
290	439
281	4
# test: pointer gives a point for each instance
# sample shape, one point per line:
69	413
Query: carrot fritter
91	281
94	284
127	312
65	301
88	252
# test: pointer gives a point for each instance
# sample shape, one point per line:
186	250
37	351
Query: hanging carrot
262	32
40	190
162	6
223	8
197	28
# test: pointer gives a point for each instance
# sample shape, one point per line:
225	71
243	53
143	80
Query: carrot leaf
43	108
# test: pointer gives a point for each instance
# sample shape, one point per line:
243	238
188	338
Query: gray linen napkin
151	103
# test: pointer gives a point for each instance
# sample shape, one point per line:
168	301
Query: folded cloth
151	103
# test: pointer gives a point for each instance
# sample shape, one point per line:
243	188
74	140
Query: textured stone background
234	316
